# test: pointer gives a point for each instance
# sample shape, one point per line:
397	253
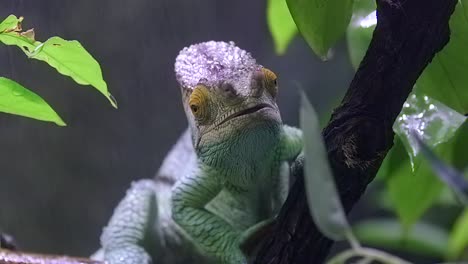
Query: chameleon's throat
247	111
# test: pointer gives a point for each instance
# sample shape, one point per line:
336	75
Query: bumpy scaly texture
227	174
212	61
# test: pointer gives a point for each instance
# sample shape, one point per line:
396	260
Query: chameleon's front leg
125	239
208	231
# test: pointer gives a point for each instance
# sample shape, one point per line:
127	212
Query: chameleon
225	178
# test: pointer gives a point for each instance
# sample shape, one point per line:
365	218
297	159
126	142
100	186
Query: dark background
58	186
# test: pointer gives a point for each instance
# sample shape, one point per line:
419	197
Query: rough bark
359	134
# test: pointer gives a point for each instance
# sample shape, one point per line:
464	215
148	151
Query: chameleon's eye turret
270	81
199	103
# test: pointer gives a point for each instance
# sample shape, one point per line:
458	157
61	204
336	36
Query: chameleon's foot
131	226
127	255
7	242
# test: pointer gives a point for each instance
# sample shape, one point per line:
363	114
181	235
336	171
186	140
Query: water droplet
431	120
113	100
18	92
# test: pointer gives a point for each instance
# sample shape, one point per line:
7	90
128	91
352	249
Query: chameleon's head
224	88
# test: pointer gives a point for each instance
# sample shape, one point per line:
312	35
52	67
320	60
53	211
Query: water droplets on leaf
17	92
367	21
431	120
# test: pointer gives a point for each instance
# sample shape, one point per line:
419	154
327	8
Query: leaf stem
369	253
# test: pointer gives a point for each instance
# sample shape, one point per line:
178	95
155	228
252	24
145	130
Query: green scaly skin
226	175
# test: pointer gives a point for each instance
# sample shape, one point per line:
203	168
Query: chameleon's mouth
246	111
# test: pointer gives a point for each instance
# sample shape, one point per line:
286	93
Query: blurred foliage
281	25
412	183
458	241
423	238
328	213
67	57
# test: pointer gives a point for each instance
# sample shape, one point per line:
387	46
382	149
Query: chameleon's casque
212	62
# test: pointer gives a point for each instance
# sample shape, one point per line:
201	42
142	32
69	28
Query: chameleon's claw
7	242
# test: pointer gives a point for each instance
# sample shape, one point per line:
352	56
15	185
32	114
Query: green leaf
412	192
431	120
70	58
321	22
449	175
359	32
423	239
15	99
10	23
322	197
445	79
458	241
281	25
10	34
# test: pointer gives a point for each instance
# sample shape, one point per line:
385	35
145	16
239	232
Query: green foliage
69	58
412	185
321	22
323	199
458	241
281	24
359	32
446	78
15	99
446	173
424	239
411	192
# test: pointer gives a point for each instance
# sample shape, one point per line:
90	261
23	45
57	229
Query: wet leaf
422	238
433	121
15	99
321	22
281	25
360	29
322	197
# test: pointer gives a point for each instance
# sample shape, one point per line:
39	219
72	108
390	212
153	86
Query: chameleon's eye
198	103
270	81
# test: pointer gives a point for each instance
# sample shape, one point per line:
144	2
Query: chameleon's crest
212	62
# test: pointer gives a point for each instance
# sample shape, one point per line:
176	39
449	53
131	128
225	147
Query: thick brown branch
359	134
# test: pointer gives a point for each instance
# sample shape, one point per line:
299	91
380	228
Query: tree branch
407	36
16	257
